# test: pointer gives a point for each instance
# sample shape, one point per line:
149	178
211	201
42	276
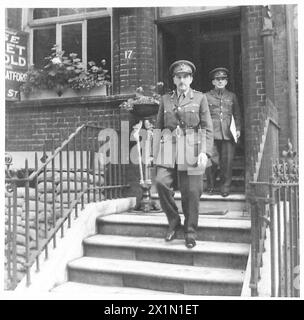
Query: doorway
208	42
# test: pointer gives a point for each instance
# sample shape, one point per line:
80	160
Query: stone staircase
238	176
128	255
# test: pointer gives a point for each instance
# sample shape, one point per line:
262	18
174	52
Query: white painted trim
246	291
65	20
112	47
58	36
84	43
69	18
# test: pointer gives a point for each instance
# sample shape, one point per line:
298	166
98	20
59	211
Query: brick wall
281	72
29	125
253	76
134	49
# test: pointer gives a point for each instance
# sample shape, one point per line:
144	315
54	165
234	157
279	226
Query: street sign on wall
16	62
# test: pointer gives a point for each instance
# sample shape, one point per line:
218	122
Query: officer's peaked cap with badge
182	66
219	73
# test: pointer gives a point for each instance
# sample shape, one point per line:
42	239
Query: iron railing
274	205
38	205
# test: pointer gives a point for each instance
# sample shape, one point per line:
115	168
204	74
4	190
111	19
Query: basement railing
274	197
38	205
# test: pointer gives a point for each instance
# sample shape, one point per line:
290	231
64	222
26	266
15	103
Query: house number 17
128	54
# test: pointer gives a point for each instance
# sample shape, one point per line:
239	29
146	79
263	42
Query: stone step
206	253
156	276
155	225
215	202
82	289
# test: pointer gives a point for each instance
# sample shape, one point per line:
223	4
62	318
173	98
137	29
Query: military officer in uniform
224	107
182	147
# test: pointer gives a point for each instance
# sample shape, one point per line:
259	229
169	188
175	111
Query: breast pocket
192	117
169	119
228	105
213	108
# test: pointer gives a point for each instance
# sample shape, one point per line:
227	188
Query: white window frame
83	24
58	22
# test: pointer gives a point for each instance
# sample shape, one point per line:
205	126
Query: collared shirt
181	95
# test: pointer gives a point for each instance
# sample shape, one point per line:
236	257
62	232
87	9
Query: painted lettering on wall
16	63
128	54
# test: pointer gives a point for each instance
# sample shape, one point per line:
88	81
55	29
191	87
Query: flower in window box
94	76
142	97
61	72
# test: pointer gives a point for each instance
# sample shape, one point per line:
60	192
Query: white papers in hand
233	129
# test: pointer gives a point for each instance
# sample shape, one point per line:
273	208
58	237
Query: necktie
181	98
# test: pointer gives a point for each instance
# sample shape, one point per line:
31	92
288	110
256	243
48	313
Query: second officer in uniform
183	147
224	107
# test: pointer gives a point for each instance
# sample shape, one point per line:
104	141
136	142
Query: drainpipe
292	106
267	35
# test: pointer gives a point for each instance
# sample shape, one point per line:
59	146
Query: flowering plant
94	76
61	72
153	97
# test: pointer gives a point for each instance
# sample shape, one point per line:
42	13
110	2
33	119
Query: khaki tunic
222	107
173	146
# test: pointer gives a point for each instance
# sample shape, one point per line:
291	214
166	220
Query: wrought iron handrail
57	151
44	211
271	192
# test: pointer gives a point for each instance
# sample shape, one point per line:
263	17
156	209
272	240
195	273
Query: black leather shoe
170	235
225	194
190	243
210	190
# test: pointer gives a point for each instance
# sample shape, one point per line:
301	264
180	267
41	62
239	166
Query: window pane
45	13
44	40
72	39
67	11
99	41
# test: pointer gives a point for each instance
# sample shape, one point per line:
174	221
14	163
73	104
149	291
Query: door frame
223	37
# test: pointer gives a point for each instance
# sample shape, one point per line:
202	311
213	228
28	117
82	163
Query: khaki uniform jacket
222	107
169	147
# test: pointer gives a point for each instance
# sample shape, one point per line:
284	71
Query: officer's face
219	83
182	81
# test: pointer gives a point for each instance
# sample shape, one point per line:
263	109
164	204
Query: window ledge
114	100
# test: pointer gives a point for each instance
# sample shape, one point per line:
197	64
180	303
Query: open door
208	43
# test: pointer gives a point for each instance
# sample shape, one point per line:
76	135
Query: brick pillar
253	77
285	51
134	49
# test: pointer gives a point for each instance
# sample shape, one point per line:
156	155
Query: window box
67	93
